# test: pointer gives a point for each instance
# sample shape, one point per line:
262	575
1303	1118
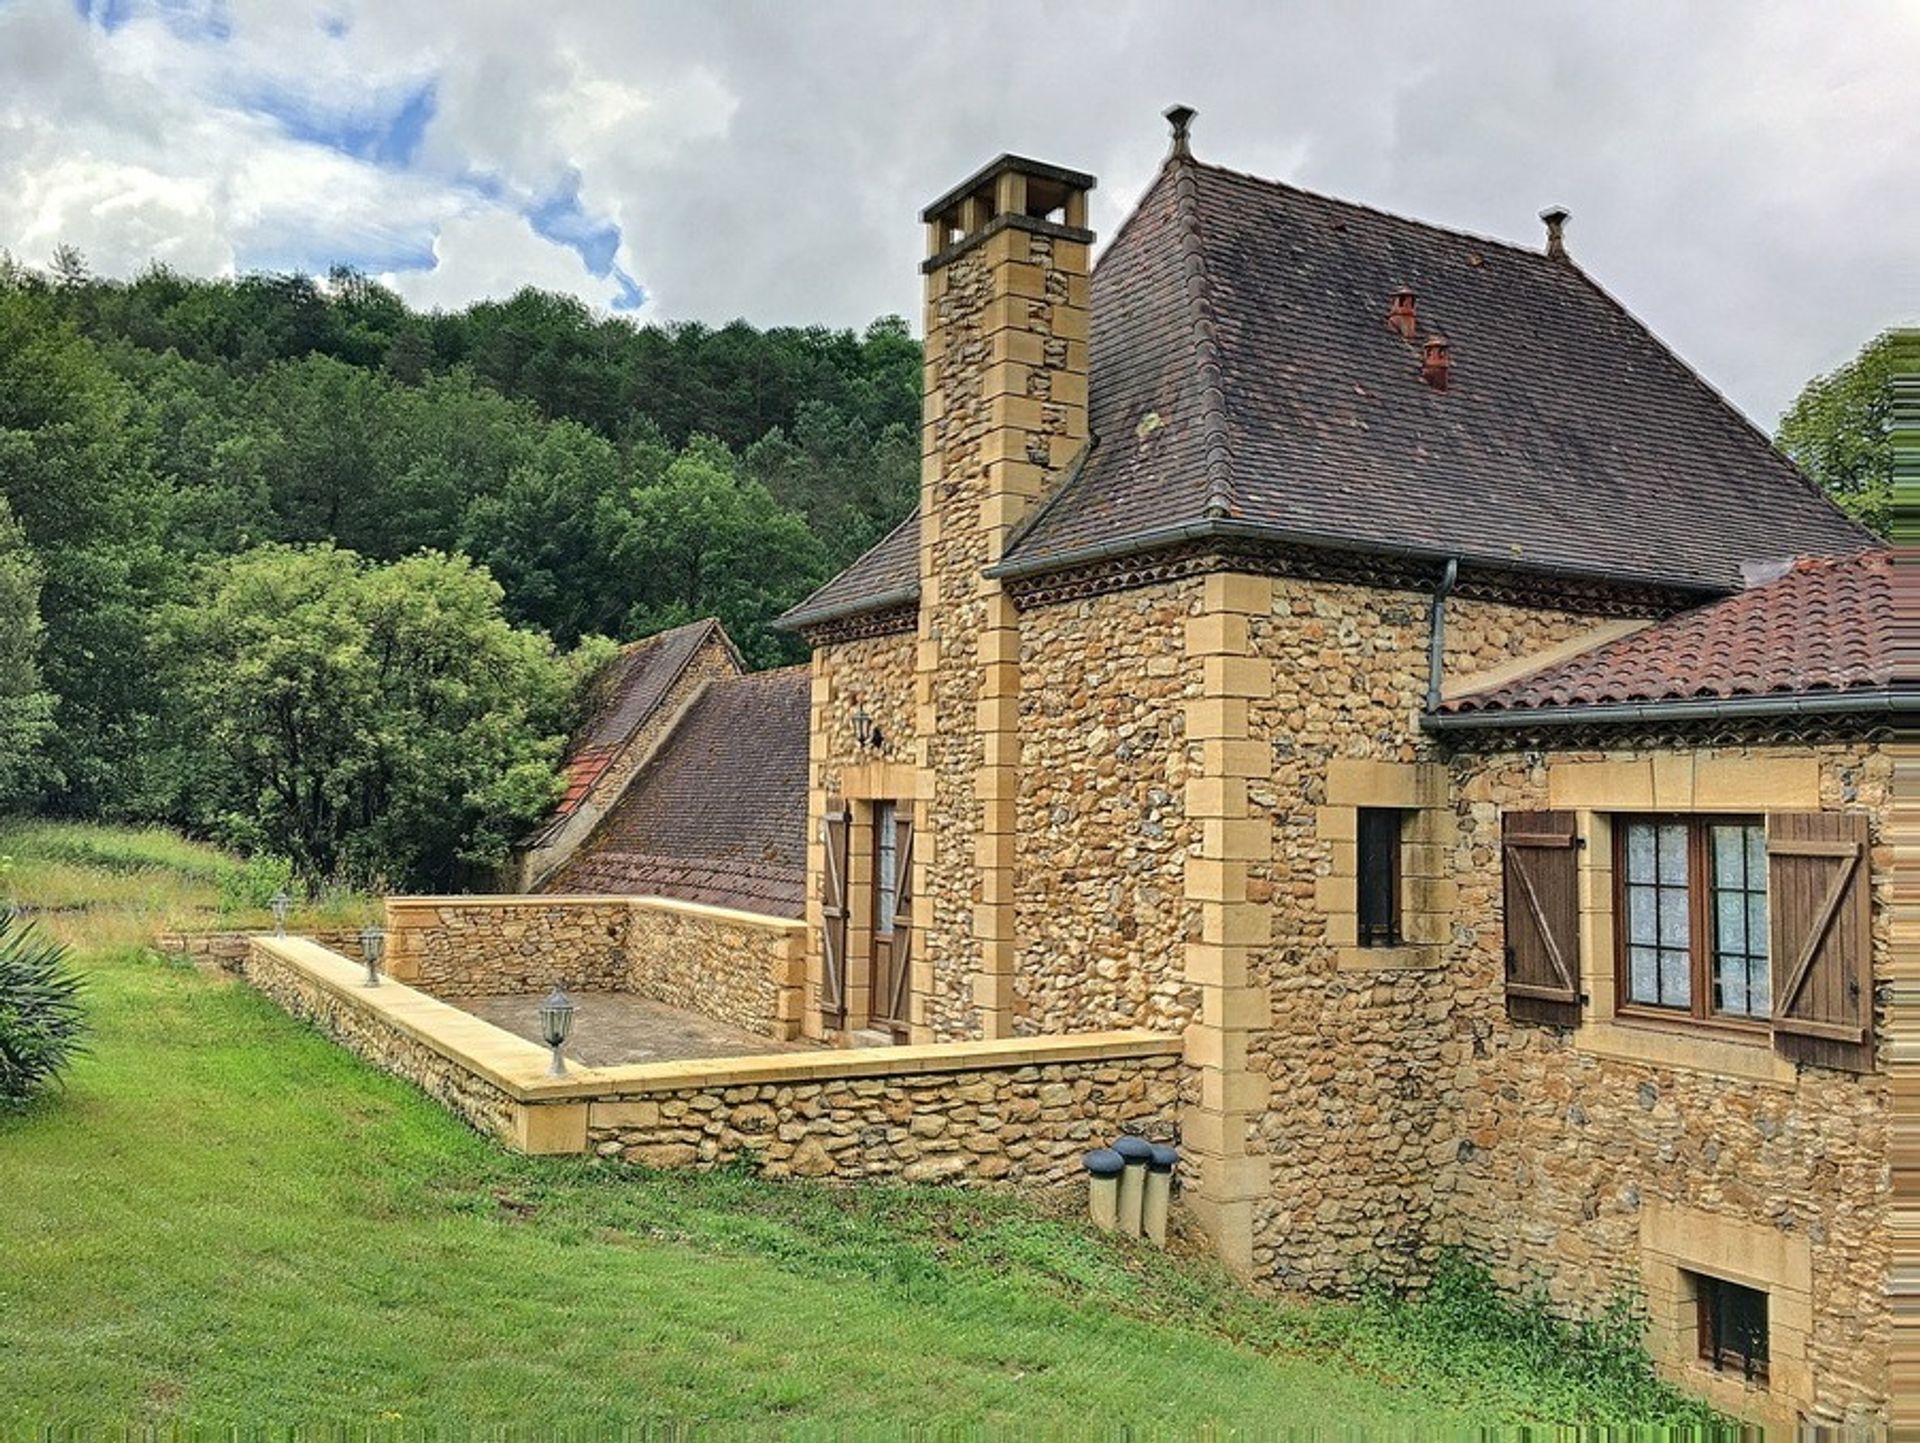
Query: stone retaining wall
738	967
359	1024
746	970
1019	1125
228	950
1016	1113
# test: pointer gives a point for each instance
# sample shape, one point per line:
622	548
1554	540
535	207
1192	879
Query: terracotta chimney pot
1436	361
1400	314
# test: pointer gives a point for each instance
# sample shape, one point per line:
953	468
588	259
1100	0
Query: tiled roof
719	813
886	574
1242	371
1825	626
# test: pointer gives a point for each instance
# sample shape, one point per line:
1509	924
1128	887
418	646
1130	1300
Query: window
1733	1327
1691	916
886	868
1378	887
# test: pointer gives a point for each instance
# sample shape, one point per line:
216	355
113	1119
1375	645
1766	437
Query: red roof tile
1826	626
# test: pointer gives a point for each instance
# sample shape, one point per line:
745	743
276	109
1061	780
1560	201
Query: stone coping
731	915
519	1067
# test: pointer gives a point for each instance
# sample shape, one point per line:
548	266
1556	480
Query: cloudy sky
1742	175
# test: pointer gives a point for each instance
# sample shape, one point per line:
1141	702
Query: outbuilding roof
719	813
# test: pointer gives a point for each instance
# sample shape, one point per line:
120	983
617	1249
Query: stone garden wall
474	946
318	986
1016	1113
997	1121
738	967
228	950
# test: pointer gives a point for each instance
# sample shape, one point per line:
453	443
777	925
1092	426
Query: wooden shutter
1821	938
833	911
902	912
1542	917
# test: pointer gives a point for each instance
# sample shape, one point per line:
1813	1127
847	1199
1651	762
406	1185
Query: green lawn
225	1220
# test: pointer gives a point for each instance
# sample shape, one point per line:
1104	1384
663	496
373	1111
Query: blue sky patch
561	219
389	135
187	19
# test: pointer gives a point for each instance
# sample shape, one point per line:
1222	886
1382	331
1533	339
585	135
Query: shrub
41	1023
251	887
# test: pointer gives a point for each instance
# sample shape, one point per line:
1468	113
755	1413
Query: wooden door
892	915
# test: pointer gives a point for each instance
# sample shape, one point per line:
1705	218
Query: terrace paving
614	1028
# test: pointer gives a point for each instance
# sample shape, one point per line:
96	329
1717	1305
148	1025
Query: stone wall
476	946
1599	1161
742	969
1352	1056
1007	1123
738	967
357	1024
228	950
1102	912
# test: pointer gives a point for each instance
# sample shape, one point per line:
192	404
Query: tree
379	725
26	707
1839	431
706	541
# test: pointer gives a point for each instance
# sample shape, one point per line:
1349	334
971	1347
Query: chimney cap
1180	117
1556	217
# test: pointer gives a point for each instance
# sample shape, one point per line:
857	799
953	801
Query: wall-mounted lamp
866	734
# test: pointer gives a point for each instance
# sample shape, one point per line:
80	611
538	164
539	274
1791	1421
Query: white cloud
494	253
1739	171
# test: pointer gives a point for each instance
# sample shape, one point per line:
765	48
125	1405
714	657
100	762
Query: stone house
1364	649
687	780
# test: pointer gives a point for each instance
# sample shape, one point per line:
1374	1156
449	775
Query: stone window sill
1414	957
1746	1056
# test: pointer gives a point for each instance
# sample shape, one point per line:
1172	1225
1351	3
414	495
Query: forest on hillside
292	566
264	539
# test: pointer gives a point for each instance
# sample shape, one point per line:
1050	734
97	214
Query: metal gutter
884	601
1437	631
1885	701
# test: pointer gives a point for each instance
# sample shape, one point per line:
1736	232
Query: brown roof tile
719	813
1826	626
1569	438
887	574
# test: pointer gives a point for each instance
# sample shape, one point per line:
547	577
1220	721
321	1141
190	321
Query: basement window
1733	1327
1377	888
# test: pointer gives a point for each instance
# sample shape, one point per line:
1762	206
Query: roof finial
1556	218
1180	117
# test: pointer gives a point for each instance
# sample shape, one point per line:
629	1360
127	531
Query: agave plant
41	1021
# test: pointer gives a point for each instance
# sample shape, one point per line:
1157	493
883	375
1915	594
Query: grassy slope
225	1218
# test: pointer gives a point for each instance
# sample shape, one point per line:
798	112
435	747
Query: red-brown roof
1824	627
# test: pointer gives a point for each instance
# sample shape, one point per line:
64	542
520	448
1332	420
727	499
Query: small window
1733	1327
886	868
1378	888
1691	913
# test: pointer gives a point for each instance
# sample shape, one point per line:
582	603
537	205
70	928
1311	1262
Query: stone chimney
1007	272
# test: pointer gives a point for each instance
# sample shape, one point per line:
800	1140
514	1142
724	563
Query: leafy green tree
380	725
1839	433
706	541
26	707
82	489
